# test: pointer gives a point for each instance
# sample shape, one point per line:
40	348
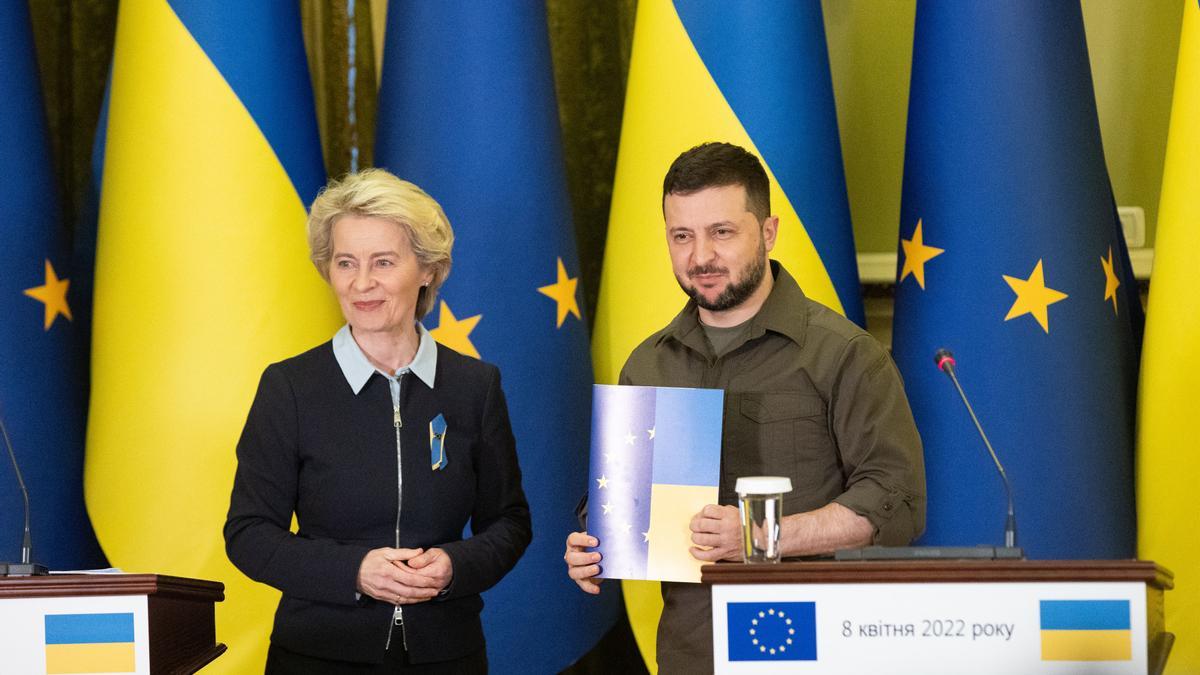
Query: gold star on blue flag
1111	282
915	254
455	333
1033	297
563	294
52	294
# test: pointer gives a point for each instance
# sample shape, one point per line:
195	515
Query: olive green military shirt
808	395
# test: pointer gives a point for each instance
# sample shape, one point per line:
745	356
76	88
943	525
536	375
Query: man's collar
783	310
357	369
778	313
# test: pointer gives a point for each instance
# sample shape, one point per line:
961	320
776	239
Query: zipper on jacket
398	423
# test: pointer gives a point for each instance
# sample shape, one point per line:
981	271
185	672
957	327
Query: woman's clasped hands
404	576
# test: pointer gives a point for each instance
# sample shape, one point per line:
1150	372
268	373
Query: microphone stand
945	363
25	568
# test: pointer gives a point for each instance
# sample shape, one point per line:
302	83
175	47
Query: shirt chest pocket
776	434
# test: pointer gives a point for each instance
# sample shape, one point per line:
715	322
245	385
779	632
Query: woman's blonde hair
375	193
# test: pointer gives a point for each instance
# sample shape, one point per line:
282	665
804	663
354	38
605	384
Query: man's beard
735	293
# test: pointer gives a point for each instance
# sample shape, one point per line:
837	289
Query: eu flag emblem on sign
772	631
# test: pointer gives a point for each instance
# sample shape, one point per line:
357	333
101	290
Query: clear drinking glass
760	504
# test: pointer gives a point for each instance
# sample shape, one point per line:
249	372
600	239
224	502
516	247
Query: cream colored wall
870	56
1132	44
378	24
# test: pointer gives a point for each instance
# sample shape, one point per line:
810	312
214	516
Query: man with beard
808	395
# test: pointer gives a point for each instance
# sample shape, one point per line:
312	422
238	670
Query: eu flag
42	393
772	631
467	111
1011	256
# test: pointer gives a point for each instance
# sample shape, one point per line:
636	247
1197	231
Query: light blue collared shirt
357	369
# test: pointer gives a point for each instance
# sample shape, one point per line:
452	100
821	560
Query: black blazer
312	447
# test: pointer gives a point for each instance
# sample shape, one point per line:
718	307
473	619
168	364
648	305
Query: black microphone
25	568
945	363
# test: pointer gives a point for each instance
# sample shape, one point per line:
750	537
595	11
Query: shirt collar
778	313
784	310
357	369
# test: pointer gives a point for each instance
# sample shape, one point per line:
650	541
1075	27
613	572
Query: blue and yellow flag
467	111
1011	256
90	643
202	279
751	73
1085	630
1168	466
655	463
42	372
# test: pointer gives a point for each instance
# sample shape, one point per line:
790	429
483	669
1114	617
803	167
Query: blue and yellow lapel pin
437	440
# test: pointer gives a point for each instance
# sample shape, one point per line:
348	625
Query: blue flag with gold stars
42	392
467	111
1011	256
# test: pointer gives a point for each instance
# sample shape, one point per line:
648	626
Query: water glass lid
763	485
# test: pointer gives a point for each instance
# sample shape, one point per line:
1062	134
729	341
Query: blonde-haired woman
384	445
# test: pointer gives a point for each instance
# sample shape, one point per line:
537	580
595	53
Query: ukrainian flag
755	74
1086	630
1168	465
90	643
202	279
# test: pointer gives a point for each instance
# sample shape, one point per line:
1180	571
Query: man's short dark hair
717	165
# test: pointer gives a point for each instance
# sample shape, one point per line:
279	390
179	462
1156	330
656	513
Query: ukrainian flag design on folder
656	460
90	643
1085	630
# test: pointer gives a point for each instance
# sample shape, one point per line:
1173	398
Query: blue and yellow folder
656	461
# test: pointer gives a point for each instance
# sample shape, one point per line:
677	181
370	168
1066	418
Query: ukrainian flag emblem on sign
90	643
1086	630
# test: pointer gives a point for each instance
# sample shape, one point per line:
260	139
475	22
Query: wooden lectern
940	616
150	623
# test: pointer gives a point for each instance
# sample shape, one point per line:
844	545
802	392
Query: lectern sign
107	623
999	628
104	634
